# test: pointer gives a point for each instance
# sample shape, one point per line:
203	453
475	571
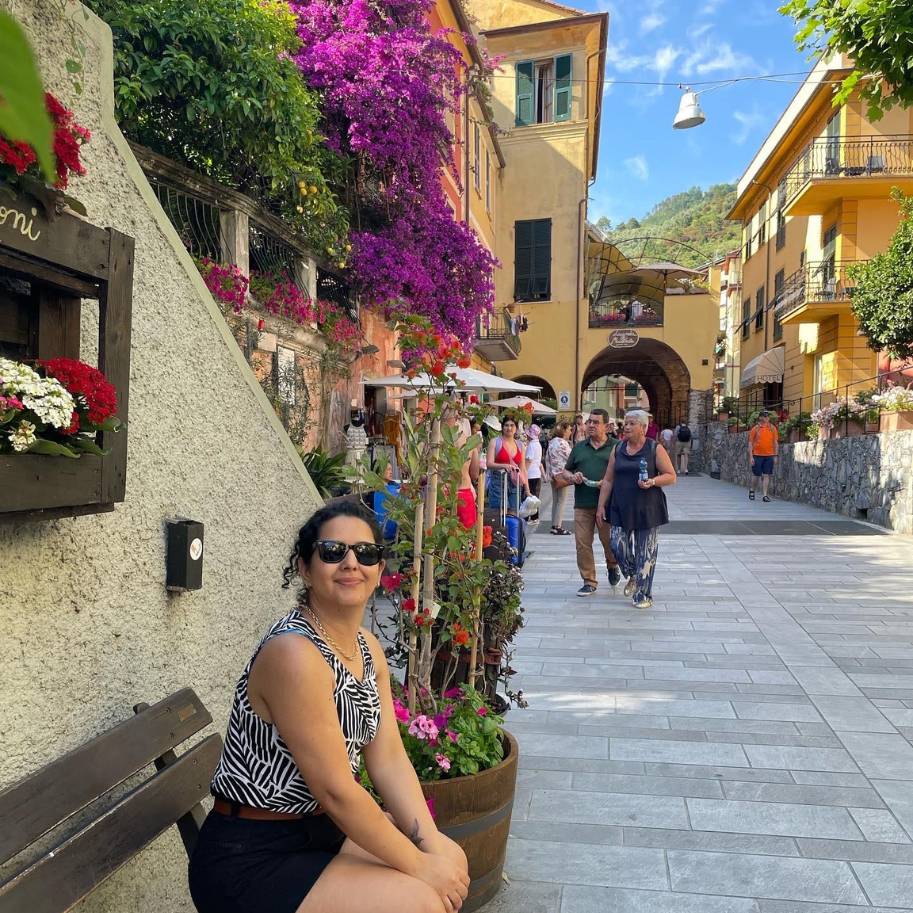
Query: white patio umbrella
521	402
466	379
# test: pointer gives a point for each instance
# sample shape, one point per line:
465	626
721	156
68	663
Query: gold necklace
326	636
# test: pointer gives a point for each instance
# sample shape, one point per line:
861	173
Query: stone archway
548	391
657	367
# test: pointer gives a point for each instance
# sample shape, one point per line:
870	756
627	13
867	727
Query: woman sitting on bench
292	830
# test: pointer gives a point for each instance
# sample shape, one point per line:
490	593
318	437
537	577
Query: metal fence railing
503	326
850	157
828	280
846	410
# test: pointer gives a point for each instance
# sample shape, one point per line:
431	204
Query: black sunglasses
332	551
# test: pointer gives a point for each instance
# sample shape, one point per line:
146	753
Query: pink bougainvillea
388	84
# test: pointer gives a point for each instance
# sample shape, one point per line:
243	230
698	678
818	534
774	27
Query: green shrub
328	473
210	83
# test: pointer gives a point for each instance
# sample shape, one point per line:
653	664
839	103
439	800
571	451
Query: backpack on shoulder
684	433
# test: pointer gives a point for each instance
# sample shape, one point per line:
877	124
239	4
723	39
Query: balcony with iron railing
497	336
828	169
816	291
625	312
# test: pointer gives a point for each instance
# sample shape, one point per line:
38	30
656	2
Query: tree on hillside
883	299
877	36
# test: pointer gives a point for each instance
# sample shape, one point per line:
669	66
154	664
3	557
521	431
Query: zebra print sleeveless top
256	767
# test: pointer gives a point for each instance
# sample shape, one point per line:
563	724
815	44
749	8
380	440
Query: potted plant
842	418
895	406
795	429
454	609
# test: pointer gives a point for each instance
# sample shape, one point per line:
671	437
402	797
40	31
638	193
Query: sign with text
623	339
564	400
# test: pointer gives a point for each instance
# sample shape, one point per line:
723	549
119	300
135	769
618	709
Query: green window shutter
525	113
542	259
563	87
523	260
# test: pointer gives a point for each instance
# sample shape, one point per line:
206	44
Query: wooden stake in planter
412	673
428	594
477	597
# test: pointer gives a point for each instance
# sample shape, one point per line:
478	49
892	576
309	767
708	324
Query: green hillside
696	217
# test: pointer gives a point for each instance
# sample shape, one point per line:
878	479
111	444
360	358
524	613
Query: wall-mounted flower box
50	263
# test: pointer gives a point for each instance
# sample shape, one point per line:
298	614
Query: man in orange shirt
763	446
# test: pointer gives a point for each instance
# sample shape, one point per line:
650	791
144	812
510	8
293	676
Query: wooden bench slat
73	869
39	802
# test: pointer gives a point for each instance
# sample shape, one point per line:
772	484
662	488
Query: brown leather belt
237	810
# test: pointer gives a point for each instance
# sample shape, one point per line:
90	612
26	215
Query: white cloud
709	7
718	57
748	122
698	31
664	59
638	167
651	22
608	85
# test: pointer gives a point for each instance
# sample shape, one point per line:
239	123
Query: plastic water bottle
643	475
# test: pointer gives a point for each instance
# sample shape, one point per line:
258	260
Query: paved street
742	747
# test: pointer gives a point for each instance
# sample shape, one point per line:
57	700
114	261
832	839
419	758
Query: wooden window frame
71	260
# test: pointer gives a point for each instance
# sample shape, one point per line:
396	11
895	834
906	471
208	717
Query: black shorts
245	866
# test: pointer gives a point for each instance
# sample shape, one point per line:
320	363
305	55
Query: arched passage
656	366
548	391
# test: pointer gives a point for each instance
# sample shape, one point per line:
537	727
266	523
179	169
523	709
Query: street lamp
690	113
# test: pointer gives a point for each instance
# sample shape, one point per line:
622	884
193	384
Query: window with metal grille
533	260
781	230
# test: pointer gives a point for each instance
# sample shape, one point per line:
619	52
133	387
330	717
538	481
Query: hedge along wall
86	626
867	477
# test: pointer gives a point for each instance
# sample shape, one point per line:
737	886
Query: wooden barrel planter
475	812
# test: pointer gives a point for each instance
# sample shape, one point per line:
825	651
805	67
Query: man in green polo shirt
587	463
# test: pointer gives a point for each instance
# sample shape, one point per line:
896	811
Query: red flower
486	536
408	605
95	395
74	423
465	361
391	582
438	368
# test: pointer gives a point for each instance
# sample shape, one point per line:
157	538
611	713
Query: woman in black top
292	830
636	507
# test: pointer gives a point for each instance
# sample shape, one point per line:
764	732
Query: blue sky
642	159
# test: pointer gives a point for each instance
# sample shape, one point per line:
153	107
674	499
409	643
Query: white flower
46	397
896	399
23	437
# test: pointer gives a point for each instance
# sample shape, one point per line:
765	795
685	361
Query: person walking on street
763	449
585	470
534	465
666	437
652	428
559	449
632	505
682	447
580	433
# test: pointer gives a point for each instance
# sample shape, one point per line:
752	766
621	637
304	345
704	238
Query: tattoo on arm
414	836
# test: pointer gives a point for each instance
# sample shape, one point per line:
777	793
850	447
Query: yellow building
547	103
814	200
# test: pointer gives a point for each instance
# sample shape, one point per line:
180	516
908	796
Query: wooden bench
64	869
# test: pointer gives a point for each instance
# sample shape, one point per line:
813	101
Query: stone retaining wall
867	477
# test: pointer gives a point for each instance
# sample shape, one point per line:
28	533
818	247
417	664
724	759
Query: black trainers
766	499
614	576
751	496
586	590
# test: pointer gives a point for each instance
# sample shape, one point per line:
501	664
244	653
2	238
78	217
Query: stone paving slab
742	747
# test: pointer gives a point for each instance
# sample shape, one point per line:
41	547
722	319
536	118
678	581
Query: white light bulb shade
689	112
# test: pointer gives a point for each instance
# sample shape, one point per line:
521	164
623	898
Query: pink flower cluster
227	283
288	300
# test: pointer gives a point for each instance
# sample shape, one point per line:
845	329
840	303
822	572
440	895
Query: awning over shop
467	378
767	368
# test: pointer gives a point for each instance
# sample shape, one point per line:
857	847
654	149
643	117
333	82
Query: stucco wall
86	626
867	477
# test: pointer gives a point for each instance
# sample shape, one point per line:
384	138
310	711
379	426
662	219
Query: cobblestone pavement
742	747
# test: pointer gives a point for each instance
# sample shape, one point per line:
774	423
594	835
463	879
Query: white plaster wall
86	626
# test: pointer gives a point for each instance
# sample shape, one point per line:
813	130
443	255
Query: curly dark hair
308	535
